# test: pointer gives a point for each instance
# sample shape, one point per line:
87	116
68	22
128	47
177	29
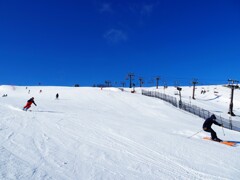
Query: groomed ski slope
91	133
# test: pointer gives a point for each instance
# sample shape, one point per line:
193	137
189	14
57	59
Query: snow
89	133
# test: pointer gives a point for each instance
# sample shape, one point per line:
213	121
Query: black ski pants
213	133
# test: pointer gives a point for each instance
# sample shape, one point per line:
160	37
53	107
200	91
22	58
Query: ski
228	143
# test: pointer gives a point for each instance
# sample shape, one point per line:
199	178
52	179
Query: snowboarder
57	95
29	103
207	127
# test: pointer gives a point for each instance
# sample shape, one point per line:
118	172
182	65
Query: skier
57	95
29	103
207	127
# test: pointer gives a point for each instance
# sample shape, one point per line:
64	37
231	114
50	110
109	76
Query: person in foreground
29	103
207	127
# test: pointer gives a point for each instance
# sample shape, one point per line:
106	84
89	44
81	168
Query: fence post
230	122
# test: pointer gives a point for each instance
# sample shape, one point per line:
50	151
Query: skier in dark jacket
207	127
29	103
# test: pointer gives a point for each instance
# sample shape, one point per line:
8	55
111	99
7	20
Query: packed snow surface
89	133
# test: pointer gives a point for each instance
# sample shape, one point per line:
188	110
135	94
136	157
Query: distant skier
57	95
29	103
207	127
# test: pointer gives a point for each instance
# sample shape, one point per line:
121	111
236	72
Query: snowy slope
91	133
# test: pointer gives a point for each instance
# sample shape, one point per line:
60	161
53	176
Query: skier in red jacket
29	103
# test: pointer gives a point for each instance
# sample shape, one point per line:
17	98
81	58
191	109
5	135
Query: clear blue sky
67	42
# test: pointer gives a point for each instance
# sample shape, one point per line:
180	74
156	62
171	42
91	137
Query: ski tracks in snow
141	161
154	162
52	146
24	147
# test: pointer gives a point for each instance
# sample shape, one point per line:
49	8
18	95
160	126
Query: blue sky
67	42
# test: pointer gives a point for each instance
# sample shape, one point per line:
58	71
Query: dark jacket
30	101
209	121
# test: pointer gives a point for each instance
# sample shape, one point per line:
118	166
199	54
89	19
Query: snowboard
228	143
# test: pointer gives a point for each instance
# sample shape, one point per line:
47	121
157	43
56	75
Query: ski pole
223	130
195	134
222	126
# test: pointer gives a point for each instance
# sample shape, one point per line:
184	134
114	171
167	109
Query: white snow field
89	133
